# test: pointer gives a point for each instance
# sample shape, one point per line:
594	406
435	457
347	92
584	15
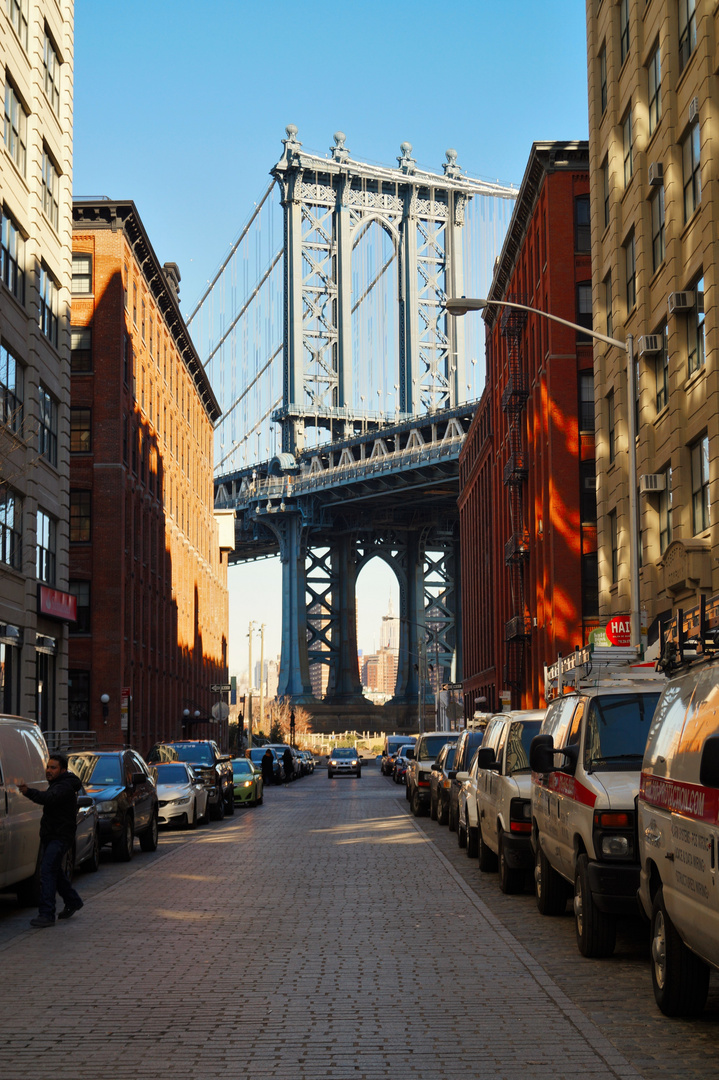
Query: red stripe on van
689	800
571	788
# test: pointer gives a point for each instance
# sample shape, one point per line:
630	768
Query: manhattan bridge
346	394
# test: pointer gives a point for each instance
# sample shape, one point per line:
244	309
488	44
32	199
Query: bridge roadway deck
326	934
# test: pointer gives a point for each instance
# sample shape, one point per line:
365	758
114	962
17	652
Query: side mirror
138	778
451	773
571	757
485	758
541	754
410	755
84	802
709	767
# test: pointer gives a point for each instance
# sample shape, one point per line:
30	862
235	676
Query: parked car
439	784
309	759
467	826
256	754
678	830
23	754
344	761
502	790
392	744
85	851
182	797
424	754
124	792
296	766
467	743
401	761
209	764
248	782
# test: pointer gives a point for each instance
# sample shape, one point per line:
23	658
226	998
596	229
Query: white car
182	798
467	821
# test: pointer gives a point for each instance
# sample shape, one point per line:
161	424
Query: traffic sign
221	688
220	710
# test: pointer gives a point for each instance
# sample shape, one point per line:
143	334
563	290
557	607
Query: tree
280	715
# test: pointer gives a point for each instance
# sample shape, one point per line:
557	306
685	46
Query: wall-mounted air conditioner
656	173
681	301
651	483
650	343
693	110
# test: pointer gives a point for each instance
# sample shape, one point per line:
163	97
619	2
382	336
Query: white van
23	755
678	819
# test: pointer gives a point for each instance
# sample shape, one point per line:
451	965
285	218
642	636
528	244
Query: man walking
268	767
57	834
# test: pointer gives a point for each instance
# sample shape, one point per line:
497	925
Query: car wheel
406	791
549	887
680	979
149	838
486	857
230	805
124	847
93	863
510	879
433	807
68	863
359	774
416	804
596	931
451	817
471	843
258	802
192	822
220	809
441	811
329	774
461	835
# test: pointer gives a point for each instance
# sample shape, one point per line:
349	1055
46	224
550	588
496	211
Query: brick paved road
309	939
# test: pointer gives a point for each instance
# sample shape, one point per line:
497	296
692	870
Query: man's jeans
53	879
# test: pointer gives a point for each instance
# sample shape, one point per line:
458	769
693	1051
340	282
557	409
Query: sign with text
56	604
220	688
619	631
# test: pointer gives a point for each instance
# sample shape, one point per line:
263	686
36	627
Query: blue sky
181	107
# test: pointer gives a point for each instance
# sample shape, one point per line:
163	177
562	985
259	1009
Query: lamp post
461	305
105	701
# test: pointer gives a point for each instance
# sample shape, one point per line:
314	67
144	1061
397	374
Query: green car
248	782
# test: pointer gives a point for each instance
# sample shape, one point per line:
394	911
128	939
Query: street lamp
461	305
105	701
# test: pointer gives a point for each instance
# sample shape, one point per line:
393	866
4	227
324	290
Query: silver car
344	761
182	798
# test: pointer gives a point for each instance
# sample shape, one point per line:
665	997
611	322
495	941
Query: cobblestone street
326	934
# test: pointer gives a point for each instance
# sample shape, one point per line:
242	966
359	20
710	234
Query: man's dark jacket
59	807
289	764
268	767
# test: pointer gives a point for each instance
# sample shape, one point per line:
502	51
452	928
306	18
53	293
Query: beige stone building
653	112
36	68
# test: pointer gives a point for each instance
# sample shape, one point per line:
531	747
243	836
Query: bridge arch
375	308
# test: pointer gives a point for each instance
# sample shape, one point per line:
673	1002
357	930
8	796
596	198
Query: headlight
107	807
615	847
178	802
354	762
247	783
333	762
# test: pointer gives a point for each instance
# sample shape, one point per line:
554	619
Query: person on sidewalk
289	764
57	833
268	767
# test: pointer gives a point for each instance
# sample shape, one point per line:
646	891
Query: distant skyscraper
390	629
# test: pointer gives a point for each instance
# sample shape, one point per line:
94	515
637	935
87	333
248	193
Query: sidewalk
307	939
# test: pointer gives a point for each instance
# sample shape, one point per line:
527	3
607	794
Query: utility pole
249	691
262	674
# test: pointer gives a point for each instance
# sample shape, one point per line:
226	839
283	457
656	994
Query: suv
344	760
392	746
422	758
679	837
210	765
467	744
125	795
585	780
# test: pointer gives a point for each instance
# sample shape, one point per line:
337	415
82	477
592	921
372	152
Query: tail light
520	816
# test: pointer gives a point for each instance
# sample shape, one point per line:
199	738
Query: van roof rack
595	665
691	635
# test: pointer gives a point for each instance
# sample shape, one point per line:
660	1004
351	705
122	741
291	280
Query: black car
124	793
467	745
439	783
256	755
210	766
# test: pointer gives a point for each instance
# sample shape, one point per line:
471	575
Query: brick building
527	504
379	671
36	41
145	561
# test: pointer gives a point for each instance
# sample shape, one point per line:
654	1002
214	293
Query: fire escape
516	550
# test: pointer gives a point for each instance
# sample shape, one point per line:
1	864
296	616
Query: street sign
453	686
220	710
619	630
220	688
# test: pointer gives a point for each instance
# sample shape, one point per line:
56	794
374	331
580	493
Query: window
81	274
687	31
691	170
81	591
605	190
80	348
51	64
45	562
627	146
134	303
80	430
586	401
696	353
17	14
126	359
665	512
10	527
588	493
657	205
50	190
125	439
590	586
582	230
584	307
47	318
12	257
624	29
78	695
654	78
611	427
613	547
11	384
603	79
631	268
661	370
608	304
142	303
80	516
47	425
15	127
701	517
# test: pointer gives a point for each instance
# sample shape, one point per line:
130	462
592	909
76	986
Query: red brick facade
143	538
527	503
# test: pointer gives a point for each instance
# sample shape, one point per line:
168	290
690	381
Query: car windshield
431	745
199	753
240	767
171	774
344	752
617	729
98	770
259	753
520	737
